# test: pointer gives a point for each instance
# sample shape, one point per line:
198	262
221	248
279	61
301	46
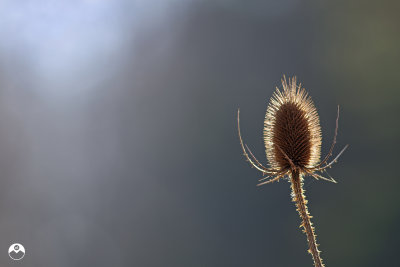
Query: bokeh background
118	141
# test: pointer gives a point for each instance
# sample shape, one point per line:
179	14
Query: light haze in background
118	142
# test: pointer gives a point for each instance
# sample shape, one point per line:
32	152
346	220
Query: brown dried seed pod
292	124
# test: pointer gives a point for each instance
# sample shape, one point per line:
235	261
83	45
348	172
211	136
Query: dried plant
292	137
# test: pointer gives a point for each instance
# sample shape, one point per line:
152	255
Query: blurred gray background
118	141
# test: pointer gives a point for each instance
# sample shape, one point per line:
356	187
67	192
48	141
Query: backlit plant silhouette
292	137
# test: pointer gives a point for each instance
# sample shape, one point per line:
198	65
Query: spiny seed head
291	128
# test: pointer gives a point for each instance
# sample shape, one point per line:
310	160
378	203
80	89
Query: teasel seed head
291	128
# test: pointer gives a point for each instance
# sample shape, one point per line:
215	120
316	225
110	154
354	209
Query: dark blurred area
118	139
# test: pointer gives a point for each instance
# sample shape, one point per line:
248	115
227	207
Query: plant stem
301	204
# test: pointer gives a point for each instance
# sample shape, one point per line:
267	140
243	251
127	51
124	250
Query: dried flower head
291	127
292	136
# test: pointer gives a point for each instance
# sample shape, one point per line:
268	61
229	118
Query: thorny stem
301	204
